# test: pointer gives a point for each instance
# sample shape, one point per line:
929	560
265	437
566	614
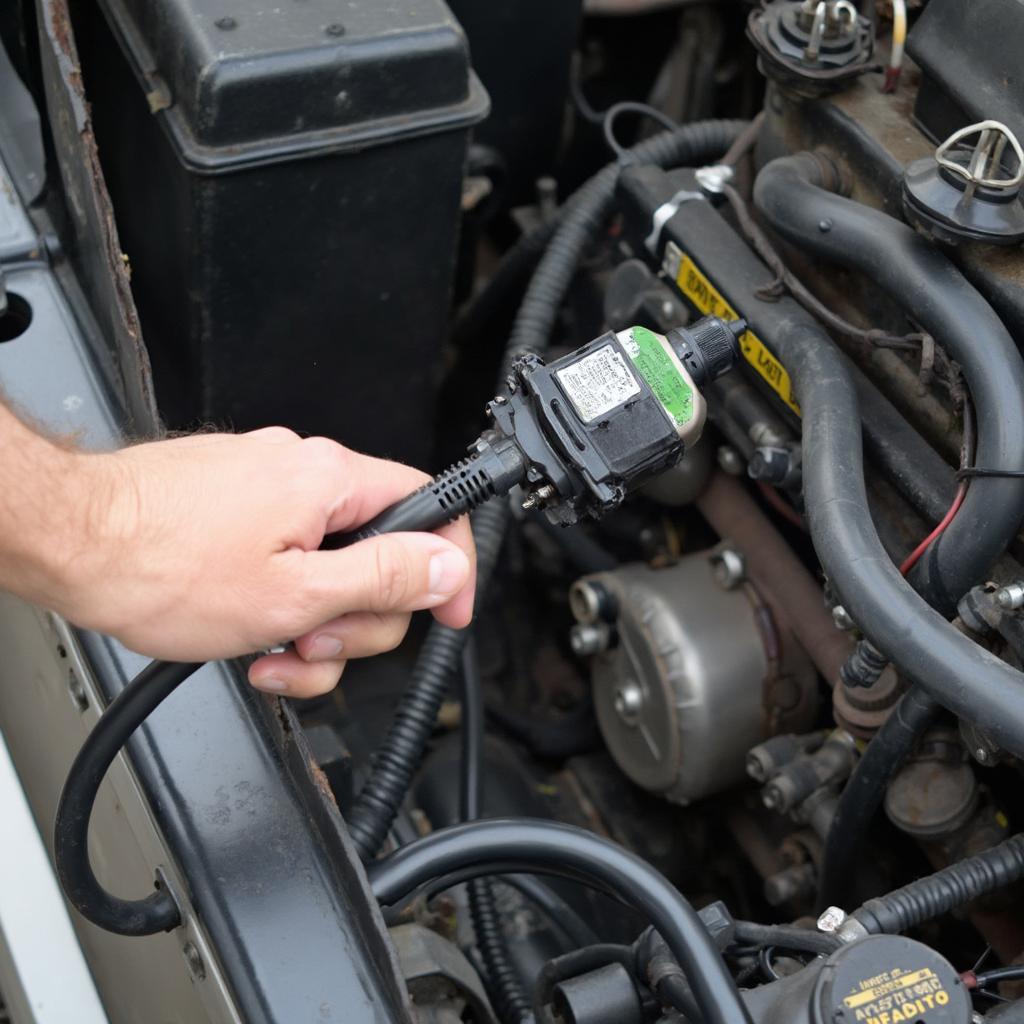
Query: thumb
397	572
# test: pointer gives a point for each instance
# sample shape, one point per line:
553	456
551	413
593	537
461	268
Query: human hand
205	547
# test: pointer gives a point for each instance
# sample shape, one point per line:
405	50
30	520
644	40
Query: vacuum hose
545	847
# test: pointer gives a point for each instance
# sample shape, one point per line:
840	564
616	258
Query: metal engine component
442	983
687	687
964	194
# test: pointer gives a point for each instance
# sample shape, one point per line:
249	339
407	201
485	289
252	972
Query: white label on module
599	382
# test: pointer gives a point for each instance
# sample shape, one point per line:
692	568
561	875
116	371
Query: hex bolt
629	701
832	920
588	638
1011	597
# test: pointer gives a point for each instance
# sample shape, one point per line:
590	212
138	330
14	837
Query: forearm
45	508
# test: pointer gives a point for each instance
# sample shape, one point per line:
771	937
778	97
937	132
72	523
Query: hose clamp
664	213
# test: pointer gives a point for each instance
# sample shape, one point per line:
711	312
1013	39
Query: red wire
915	556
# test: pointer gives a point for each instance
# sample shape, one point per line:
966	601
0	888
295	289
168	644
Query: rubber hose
402	751
952	887
586	213
547	847
971	682
791	193
863	792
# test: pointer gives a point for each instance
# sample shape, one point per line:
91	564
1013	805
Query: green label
661	373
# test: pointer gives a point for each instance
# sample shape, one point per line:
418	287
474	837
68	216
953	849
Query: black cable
970	472
764	961
130	708
616	110
559	913
471	773
506	991
995	975
786	936
547	846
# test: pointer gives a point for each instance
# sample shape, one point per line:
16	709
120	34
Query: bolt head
629	701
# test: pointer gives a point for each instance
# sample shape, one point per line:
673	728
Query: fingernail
324	648
270	685
447	573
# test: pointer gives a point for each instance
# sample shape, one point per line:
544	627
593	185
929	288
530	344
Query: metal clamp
985	161
664	213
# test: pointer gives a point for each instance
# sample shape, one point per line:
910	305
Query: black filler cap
889	979
708	348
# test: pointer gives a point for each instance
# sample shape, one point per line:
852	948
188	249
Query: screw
629	702
194	961
77	691
825	226
729	568
538	497
226	24
335	29
832	920
1011	597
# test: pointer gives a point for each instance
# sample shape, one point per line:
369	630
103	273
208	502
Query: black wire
764	961
472	771
997	974
157	912
559	913
970	472
505	988
630	107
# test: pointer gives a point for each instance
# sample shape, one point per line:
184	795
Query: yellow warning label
896	997
703	294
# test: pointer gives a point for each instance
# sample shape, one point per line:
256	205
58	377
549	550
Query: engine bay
731	296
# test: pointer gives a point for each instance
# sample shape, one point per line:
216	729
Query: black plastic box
287	182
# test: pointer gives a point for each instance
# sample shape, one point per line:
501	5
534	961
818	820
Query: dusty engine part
442	983
861	710
695	672
813	46
935	793
796	598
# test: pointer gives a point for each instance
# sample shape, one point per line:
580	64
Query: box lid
238	82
